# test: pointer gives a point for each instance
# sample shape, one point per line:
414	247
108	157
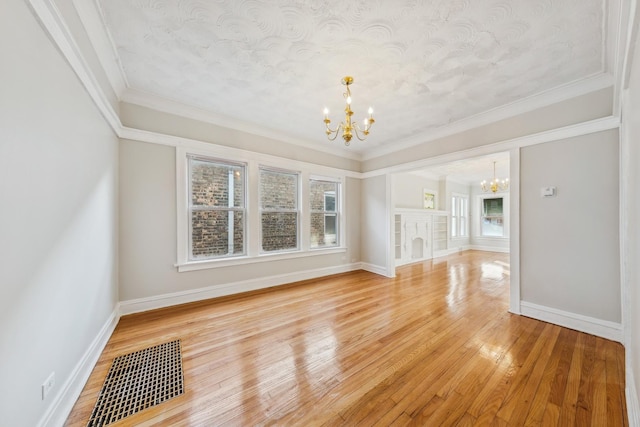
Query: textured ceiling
420	64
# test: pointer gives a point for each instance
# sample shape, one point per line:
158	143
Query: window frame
458	217
337	213
253	161
190	206
297	209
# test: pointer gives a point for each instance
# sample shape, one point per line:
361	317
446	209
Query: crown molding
92	18
543	99
226	151
49	16
170	106
620	30
585	128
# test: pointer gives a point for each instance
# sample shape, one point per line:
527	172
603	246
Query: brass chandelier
495	184
348	127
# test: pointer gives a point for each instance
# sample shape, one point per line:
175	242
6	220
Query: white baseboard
590	325
373	268
63	402
487	248
633	402
175	298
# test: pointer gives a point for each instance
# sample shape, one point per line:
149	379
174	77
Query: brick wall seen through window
217	208
323	197
279	210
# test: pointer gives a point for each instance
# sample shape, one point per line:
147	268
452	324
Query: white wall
569	243
148	247
374	223
631	233
58	222
408	190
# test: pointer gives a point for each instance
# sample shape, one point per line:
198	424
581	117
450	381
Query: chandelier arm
357	129
333	132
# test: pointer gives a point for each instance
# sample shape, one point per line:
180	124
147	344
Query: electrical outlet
48	384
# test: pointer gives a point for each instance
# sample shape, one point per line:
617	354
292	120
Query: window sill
244	260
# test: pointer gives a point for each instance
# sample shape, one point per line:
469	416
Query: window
323	197
279	210
216	208
459	216
492	218
231	209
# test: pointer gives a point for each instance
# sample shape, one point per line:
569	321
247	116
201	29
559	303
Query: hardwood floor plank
541	396
559	383
551	415
584	405
570	401
433	346
615	406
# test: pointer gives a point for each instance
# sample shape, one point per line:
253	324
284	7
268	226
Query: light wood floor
434	346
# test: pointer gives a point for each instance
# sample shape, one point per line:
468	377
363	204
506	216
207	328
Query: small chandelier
495	184
348	127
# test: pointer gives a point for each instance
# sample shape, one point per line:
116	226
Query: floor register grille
138	381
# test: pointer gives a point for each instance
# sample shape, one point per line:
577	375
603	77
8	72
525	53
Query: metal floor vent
137	381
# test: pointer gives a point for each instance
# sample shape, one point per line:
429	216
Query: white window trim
190	208
252	232
298	209
338	212
466	218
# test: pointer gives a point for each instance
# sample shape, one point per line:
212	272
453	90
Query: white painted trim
584	128
206	116
94	23
376	269
581	87
447	252
514	231
175	298
60	408
389	228
223	151
590	325
264	257
618	23
632	39
52	21
633	400
577	88
488	249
